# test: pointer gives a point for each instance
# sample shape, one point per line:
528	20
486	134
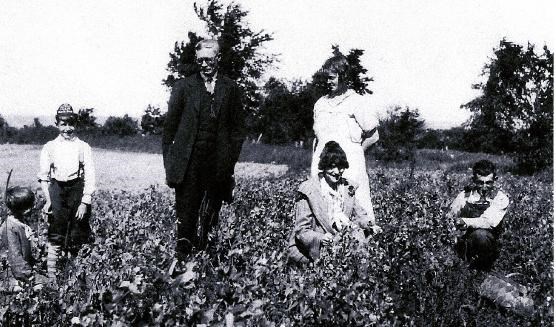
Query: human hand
327	239
376	229
81	211
460	224
47	208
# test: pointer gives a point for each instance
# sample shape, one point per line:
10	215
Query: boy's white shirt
65	156
490	218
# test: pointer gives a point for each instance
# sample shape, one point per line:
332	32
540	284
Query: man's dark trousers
197	198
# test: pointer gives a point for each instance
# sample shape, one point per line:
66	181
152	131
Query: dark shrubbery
399	133
121	126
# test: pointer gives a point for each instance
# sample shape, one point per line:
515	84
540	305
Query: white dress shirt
209	85
490	218
64	155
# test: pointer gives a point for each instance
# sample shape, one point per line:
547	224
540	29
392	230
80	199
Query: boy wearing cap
67	178
478	212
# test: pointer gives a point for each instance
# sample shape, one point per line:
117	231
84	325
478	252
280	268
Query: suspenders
80	170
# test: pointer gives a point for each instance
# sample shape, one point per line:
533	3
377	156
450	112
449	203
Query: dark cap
65	111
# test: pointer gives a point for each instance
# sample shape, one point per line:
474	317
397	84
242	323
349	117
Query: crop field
406	276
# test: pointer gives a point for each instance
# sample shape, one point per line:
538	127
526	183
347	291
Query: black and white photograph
277	163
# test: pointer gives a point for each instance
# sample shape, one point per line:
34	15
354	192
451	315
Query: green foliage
285	114
356	74
152	121
408	275
514	113
86	119
399	132
37	123
122	126
28	135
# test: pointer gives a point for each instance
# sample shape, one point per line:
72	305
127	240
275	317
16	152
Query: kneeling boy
478	211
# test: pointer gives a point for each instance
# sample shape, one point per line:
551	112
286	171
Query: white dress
343	119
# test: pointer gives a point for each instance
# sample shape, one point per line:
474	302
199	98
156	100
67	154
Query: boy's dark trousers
64	229
478	246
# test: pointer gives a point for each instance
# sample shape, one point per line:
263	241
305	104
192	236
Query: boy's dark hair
484	168
19	199
333	156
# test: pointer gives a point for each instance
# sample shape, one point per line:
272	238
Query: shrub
121	126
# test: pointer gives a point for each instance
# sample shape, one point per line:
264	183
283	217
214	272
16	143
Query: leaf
229	319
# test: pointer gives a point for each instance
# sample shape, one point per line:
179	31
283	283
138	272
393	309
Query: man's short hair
208	44
484	168
19	199
333	156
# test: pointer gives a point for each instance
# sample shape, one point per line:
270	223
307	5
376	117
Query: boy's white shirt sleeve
89	174
457	205
44	164
493	215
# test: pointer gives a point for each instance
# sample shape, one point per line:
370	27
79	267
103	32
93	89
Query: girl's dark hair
484	168
336	64
19	199
333	156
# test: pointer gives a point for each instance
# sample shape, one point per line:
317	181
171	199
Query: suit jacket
312	220
181	125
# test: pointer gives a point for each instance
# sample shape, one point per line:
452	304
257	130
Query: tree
37	123
3	129
86	119
357	74
122	126
241	59
152	121
399	133
514	113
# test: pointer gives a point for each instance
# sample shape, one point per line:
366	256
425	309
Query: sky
112	55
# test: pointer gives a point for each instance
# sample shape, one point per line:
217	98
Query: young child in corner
16	260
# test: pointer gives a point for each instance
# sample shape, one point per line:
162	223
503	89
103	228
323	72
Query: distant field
115	169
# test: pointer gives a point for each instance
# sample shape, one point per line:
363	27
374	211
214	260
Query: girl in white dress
346	117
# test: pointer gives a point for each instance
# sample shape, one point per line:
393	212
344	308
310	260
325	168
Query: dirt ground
114	169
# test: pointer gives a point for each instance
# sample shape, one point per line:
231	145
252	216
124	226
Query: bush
399	133
122	126
152	121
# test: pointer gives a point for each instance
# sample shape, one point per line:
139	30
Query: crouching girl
326	204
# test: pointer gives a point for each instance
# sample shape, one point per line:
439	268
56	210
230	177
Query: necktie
208	85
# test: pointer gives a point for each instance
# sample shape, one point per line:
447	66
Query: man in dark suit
202	139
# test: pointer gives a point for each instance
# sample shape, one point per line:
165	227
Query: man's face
207	59
66	128
483	184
